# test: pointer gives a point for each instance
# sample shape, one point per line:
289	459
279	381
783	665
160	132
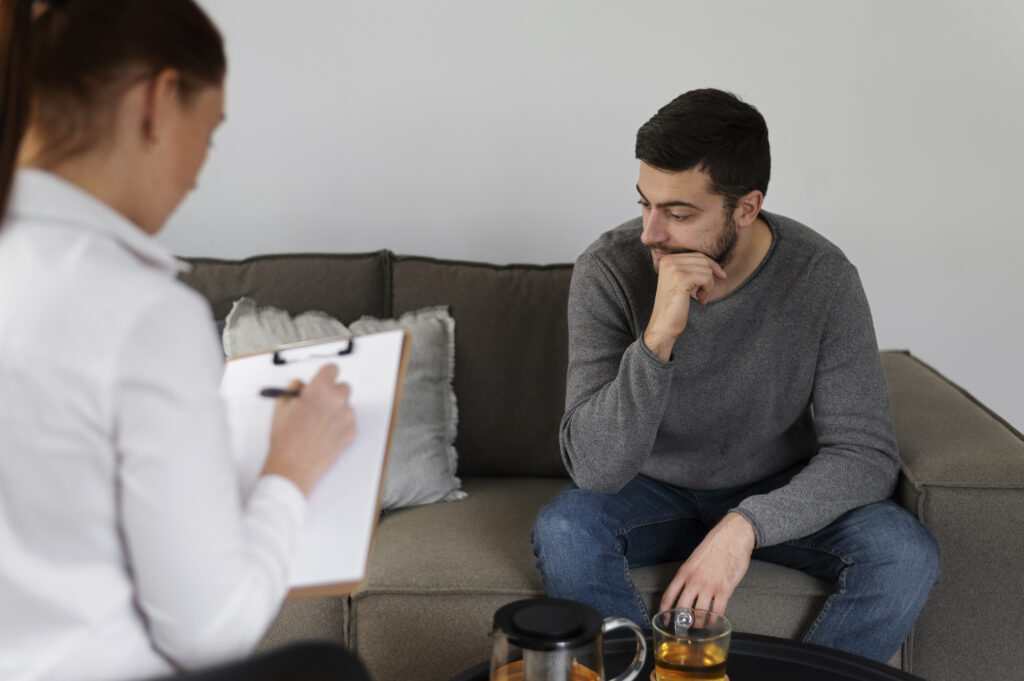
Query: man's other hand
714	569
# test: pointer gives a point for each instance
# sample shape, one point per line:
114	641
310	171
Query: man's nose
654	230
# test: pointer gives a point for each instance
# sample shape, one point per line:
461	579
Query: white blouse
126	548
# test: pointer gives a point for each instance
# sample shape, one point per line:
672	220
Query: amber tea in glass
690	644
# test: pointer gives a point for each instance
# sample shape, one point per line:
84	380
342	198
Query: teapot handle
641	649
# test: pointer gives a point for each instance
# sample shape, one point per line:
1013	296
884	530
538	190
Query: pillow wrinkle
250	328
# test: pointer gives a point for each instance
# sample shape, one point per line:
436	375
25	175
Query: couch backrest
345	286
511	336
511	351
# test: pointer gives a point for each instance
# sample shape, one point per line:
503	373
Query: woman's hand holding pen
310	430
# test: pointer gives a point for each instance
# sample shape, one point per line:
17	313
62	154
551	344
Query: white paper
334	544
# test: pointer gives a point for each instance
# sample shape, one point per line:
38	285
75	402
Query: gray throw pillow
422	461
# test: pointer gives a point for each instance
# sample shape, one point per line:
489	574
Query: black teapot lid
548	623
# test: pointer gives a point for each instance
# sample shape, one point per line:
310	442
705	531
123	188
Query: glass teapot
553	639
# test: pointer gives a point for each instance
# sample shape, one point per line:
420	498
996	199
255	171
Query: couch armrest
963	476
947	438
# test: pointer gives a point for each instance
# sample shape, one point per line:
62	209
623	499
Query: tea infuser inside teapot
553	639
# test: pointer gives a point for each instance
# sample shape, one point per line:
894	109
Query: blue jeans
881	561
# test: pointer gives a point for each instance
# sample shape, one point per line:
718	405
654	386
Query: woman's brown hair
63	63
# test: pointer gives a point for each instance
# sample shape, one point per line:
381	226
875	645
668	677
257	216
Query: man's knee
906	551
572	518
918	553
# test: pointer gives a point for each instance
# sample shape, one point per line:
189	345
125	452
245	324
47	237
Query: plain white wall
503	132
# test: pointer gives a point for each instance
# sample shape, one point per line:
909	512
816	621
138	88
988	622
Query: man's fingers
691	592
668	598
695	262
700	284
687	598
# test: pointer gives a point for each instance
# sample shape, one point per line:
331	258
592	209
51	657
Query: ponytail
15	87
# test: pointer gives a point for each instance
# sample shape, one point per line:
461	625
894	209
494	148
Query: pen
278	392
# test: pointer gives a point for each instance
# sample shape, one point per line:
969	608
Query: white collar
37	194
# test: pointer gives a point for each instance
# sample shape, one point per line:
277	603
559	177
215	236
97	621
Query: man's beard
725	248
722	250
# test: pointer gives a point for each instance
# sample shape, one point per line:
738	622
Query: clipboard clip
318	350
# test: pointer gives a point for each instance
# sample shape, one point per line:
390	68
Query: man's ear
161	108
748	207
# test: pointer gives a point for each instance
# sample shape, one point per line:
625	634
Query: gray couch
439	572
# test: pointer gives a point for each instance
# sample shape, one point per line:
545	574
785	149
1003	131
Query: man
726	401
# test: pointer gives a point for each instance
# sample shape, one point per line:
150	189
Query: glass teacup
690	644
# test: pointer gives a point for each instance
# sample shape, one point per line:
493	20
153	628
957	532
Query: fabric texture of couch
439	571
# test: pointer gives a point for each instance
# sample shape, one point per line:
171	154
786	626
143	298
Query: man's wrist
659	345
742	527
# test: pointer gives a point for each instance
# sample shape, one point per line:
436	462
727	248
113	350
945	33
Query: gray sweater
783	370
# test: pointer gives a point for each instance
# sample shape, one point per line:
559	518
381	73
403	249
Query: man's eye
644	204
678	218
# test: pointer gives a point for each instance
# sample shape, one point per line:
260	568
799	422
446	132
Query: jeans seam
625	529
641	605
823	548
840	586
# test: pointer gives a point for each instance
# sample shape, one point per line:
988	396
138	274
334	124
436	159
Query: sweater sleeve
857	461
616	389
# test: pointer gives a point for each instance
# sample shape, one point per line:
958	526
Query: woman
127	550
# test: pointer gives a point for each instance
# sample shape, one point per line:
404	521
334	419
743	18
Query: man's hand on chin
715	567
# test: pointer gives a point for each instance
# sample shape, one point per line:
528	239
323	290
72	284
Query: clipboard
333	550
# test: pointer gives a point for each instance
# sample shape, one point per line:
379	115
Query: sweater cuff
758	543
650	355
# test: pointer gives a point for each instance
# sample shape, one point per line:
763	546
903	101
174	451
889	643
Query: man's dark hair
714	131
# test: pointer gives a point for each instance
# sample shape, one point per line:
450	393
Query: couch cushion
345	286
444	570
441	571
305	619
481	543
511	339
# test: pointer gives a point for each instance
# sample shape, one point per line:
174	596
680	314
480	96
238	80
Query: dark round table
752	658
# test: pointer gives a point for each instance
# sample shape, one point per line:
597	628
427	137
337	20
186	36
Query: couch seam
388	274
953	485
999	419
275	256
460	592
481	265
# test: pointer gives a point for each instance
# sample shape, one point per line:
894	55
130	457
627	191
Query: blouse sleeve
209	567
